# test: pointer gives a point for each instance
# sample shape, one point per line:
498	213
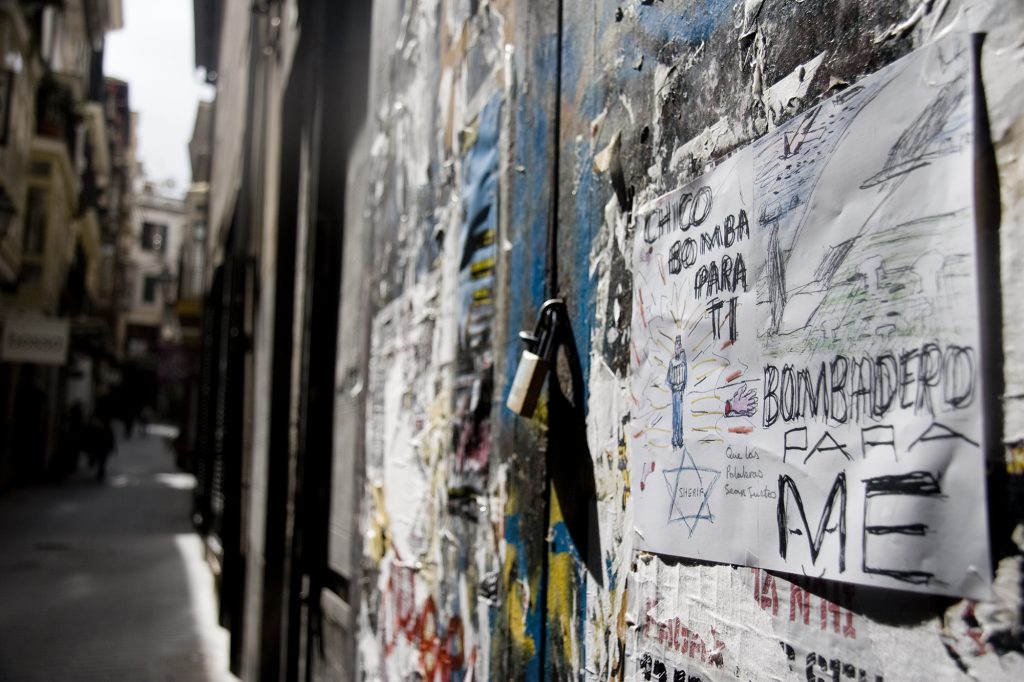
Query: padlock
534	362
522	398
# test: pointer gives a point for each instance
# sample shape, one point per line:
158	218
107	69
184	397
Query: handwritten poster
805	368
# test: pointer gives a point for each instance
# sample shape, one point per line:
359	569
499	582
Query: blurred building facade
191	282
58	244
152	246
17	132
280	134
117	201
149	334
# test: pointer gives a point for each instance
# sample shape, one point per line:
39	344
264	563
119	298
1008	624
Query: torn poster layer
805	328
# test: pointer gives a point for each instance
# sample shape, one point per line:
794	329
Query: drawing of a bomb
676	379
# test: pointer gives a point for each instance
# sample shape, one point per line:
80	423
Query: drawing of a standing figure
676	379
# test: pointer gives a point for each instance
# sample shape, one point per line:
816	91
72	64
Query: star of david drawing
690	487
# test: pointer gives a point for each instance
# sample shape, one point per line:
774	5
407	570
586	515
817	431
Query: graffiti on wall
474	357
806	628
663	95
432	502
805	337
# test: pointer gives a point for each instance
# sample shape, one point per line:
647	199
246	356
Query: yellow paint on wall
1015	459
562	587
377	534
515	603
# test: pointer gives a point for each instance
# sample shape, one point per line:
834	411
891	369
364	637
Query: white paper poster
805	369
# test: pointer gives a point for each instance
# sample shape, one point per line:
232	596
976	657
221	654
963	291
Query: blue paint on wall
694	24
581	213
609	568
474	357
530	206
561	540
561	543
533	626
583	295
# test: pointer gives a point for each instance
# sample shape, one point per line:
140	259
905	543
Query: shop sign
35	340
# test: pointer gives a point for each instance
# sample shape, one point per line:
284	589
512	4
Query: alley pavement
105	581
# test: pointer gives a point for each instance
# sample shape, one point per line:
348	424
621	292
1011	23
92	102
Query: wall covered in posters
842	514
427	521
662	100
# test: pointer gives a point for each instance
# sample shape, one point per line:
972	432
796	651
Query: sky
154	54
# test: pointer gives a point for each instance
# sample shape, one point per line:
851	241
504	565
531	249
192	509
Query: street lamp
170	329
167	281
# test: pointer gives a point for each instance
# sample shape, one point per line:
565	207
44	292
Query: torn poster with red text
806	371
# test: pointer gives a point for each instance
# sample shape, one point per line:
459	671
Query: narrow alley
105	580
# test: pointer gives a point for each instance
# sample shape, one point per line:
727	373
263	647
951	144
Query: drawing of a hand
743	403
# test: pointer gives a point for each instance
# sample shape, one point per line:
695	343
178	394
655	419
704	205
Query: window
40	169
154	236
150	285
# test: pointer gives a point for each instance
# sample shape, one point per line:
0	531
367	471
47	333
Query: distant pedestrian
130	409
72	435
99	443
129	423
146	417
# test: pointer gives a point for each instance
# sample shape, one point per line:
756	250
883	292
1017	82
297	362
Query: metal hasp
535	361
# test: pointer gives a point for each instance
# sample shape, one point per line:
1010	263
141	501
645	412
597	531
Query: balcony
55	112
